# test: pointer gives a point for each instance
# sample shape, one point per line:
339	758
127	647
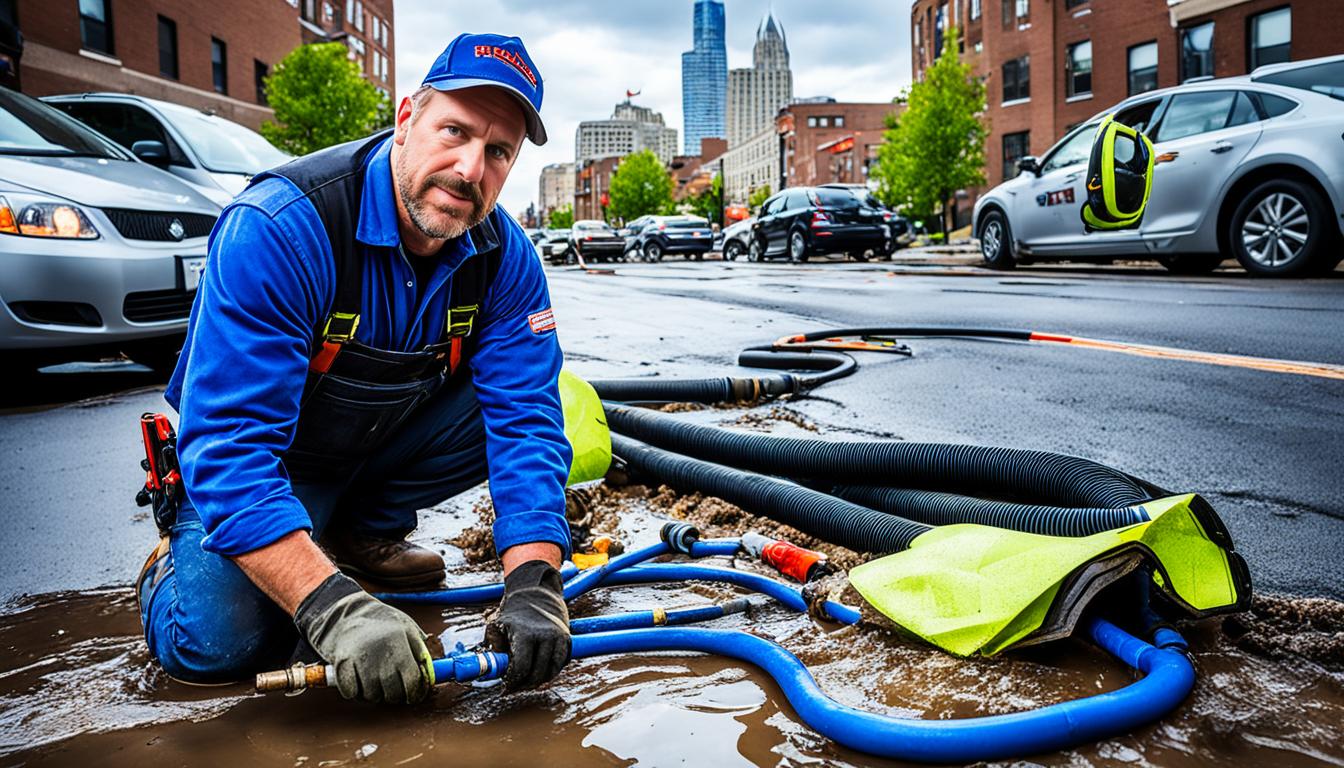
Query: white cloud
590	51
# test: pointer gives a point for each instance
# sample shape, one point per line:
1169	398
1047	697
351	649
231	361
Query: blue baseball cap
473	60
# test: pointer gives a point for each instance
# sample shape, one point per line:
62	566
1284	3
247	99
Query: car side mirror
152	152
1030	165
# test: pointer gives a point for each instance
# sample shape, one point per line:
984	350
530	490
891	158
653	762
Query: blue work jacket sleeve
515	371
259	301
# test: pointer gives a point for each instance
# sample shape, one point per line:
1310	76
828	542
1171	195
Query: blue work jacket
268	285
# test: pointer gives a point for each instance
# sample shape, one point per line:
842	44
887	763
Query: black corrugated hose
1052	494
819	514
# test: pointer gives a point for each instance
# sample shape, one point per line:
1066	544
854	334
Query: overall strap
470	285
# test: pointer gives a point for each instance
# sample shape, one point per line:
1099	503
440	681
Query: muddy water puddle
77	686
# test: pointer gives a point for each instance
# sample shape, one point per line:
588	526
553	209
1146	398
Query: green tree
758	197
937	146
640	185
320	99
709	204
561	218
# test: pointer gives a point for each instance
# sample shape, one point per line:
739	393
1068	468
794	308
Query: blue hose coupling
469	666
680	536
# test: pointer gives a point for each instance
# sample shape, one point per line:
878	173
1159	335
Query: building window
1197	51
975	9
939	25
1015	147
1070	4
95	25
1023	8
811	122
1142	67
1078	69
219	64
839	121
1017	79
309	10
9	13
167	48
1271	37
259	73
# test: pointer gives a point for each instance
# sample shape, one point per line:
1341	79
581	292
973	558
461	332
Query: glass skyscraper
704	77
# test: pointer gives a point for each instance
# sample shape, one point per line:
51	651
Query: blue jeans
206	622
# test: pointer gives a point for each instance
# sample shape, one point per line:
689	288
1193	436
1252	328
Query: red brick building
592	185
1050	64
198	53
830	142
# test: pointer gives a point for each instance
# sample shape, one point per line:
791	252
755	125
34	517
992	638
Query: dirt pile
1282	627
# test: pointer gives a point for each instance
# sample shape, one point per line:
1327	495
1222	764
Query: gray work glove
378	651
532	625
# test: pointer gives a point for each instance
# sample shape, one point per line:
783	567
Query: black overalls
355	395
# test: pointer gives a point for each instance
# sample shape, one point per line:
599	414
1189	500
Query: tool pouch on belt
162	491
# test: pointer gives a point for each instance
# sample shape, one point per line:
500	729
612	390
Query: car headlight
36	217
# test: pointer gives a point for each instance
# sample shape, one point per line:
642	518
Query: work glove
378	651
531	625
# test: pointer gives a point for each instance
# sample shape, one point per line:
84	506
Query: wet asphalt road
1265	448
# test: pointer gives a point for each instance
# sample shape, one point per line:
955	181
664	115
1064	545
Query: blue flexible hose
1168	678
1168	674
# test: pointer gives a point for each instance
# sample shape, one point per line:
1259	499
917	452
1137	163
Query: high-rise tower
704	77
757	93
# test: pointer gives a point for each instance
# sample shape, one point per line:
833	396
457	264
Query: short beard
421	213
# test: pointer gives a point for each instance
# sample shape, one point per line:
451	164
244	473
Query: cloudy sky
590	51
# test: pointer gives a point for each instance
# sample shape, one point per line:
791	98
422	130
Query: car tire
797	247
732	250
1191	263
1279	229
996	241
159	355
756	250
858	255
653	252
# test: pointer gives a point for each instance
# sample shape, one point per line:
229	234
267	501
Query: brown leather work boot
395	562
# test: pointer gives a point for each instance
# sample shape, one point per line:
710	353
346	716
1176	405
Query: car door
769	223
1047	207
1200	139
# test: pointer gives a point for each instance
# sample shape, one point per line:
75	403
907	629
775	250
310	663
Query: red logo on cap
508	57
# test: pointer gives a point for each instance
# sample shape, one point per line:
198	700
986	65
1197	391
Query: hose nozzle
297	678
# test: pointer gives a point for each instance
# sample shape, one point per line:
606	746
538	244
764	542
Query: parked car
594	240
690	236
737	238
802	221
215	155
1247	166
899	231
554	245
101	252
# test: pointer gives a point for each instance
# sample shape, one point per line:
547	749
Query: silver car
101	252
1250	167
215	155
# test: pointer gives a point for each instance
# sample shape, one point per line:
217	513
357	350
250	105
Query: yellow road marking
1322	370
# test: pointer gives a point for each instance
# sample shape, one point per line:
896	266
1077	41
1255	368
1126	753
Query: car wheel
732	250
858	255
755	251
158	355
995	242
653	252
1278	229
797	247
699	256
1191	263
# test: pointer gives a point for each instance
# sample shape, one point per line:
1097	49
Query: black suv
899	232
654	236
802	221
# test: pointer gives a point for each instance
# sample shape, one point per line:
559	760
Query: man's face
454	152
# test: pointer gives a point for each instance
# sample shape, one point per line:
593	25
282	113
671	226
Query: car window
1139	117
1272	105
1195	113
1243	111
1327	78
687	223
773	205
795	199
1073	150
30	127
124	124
223	146
828	197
